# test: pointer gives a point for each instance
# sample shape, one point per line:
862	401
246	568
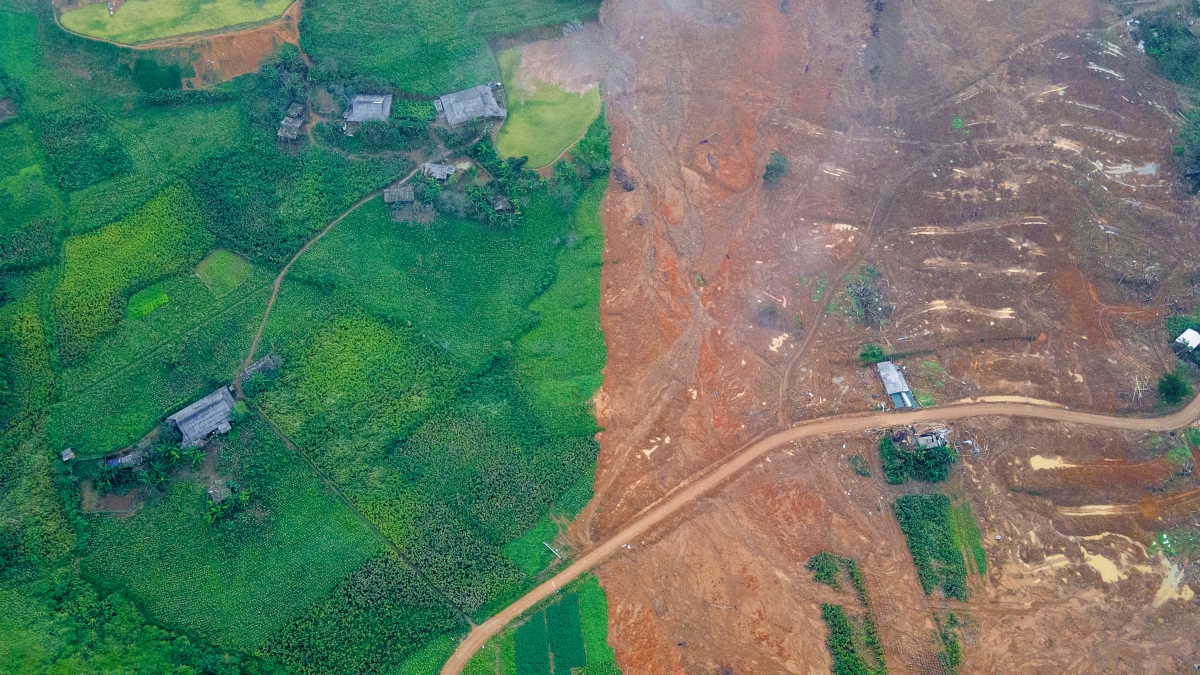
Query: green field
541	124
223	271
933	536
141	20
424	46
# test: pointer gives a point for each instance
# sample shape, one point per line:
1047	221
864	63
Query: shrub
1173	388
777	169
901	464
871	353
859	465
854	645
149	76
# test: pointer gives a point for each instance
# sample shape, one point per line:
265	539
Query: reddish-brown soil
218	58
1031	250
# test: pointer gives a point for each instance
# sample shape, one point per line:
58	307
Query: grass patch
430	659
928	524
145	301
593	609
142	20
238	582
162	237
542	123
859	465
223	271
968	538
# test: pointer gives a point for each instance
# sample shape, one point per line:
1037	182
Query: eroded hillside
988	189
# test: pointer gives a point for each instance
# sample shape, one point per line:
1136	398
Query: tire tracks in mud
711	478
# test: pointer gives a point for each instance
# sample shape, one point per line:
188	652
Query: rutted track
712	476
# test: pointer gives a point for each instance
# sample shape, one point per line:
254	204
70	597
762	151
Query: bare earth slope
1006	168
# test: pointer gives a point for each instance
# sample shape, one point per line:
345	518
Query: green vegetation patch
968	538
593	608
141	20
378	616
542	123
424	46
241	580
80	148
854	644
162	237
565	634
1175	387
902	463
948	631
223	271
533	651
928	524
831	570
145	301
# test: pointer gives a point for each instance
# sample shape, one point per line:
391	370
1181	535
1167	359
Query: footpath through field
712	476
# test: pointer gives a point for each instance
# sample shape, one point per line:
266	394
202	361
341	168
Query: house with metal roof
367	107
469	104
438	171
895	385
399	195
204	418
1188	338
289	128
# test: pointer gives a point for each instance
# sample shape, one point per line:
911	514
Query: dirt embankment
1005	167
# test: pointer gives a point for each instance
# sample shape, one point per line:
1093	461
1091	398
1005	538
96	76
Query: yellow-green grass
142	20
144	302
544	122
223	271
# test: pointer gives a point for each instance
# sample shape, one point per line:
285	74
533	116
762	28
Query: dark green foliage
265	204
379	615
168	98
24	246
80	148
1172	46
565	634
947	634
859	465
871	353
149	76
509	179
1173	387
854	645
828	569
902	464
928	527
533	654
777	168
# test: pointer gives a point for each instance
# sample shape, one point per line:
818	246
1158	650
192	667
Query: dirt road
711	477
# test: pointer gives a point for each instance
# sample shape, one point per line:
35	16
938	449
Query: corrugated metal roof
893	379
367	107
200	419
468	104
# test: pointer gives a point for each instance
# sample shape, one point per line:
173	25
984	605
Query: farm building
399	195
1188	338
437	171
203	418
501	204
367	107
295	109
932	439
67	455
289	129
895	385
469	104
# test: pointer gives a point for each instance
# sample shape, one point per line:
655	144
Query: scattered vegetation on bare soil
854	643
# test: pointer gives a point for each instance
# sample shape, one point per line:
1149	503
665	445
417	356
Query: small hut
438	171
400	195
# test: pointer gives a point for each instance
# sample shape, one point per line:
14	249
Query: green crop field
928	524
237	583
424	46
141	20
541	124
223	271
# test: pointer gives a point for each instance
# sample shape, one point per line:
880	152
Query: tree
777	168
1173	388
871	353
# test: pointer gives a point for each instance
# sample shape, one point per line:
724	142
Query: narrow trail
287	267
714	475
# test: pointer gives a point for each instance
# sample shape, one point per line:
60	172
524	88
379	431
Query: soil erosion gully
711	477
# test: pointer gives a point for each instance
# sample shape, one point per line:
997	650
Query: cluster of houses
457	108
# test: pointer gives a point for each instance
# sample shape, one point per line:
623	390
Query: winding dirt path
712	476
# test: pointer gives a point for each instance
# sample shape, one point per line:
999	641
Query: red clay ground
1030	251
